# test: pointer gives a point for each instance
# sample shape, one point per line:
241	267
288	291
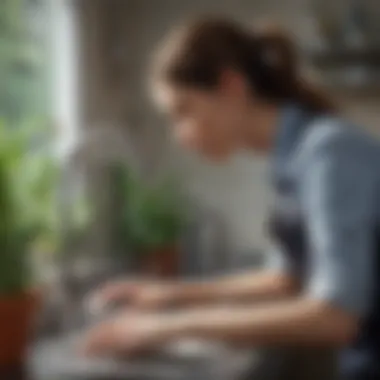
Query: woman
228	89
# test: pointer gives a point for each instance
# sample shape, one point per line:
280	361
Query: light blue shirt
336	172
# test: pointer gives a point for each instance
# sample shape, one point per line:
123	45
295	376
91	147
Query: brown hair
196	54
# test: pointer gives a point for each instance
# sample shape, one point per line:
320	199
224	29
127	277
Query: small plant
153	215
28	179
27	199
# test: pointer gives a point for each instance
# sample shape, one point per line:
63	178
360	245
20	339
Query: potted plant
26	196
153	218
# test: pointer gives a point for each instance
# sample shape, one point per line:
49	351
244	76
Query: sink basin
186	359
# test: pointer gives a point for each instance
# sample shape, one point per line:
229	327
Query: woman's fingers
127	334
121	291
143	295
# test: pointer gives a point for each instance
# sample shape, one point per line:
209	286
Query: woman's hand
127	334
147	295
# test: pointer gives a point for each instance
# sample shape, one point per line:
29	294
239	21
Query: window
64	69
24	61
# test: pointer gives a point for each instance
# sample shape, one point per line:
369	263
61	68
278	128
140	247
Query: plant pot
16	319
162	262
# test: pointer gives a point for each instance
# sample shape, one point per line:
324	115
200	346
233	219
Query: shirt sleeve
337	194
276	261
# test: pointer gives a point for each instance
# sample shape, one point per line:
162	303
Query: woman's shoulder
329	132
331	136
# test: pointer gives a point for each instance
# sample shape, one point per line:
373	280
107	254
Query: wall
239	189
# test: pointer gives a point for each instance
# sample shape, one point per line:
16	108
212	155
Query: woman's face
208	122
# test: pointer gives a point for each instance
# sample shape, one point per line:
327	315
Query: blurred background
92	186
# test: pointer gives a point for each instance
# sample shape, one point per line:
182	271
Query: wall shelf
343	57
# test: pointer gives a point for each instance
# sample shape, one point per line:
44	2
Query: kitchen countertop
56	360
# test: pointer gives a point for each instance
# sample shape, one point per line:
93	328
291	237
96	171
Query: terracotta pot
16	318
162	262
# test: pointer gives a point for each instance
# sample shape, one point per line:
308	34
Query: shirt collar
292	121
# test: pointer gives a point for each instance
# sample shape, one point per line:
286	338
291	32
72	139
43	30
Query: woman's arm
294	322
251	285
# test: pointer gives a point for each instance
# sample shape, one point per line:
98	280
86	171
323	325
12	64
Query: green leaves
153	216
28	175
27	198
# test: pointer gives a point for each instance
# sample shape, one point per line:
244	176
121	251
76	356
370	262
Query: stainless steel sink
57	359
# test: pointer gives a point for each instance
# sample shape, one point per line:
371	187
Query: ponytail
280	54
